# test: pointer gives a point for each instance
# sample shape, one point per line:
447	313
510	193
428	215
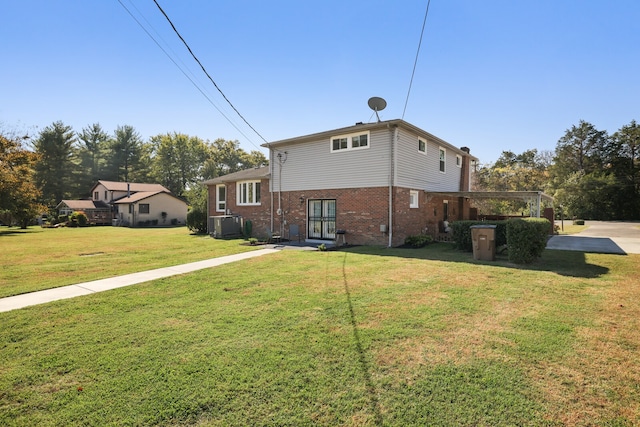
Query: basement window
413	198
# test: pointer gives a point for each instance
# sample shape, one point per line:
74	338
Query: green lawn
360	337
43	258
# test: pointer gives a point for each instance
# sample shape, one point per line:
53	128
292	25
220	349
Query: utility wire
416	61
205	71
185	73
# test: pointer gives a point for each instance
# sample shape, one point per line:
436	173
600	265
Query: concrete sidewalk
86	288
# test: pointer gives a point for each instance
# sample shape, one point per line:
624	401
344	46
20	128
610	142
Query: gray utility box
225	226
484	242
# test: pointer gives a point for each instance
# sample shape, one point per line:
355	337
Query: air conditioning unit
222	226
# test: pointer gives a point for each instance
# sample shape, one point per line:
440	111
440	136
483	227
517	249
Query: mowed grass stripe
366	336
45	258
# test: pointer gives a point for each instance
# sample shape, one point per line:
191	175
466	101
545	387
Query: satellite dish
377	104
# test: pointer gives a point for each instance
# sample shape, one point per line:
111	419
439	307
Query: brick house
377	182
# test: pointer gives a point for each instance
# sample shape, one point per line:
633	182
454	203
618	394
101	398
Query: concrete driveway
607	237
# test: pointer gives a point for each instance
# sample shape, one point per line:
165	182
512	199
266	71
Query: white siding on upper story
422	172
312	165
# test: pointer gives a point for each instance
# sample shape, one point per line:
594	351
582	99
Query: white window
443	158
354	141
413	198
458	160
248	193
221	198
422	146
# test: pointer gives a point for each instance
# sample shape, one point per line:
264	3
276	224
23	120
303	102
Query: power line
416	61
184	72
205	71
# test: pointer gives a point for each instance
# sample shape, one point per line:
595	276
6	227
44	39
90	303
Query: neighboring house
98	213
131	204
377	182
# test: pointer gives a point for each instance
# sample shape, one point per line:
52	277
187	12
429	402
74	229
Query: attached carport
534	198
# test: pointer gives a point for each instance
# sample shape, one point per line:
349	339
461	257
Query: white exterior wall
159	203
420	171
312	165
111	195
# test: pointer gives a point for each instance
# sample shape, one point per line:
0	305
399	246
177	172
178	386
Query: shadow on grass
565	263
14	231
362	358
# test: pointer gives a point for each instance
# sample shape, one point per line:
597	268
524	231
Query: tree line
591	174
62	164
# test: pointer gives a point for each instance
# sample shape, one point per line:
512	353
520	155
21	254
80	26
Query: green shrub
78	219
418	241
174	221
248	228
526	239
197	221
462	233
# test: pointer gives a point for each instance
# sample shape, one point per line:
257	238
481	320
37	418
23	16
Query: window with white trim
248	193
458	160
413	198
422	146
221	198
96	195
354	141
443	158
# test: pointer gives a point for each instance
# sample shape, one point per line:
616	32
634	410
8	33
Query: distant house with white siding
376	182
130	204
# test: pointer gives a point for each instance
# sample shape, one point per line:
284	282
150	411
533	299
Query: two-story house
129	203
376	182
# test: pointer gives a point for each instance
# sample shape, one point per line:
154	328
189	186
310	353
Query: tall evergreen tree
583	148
92	156
128	157
54	170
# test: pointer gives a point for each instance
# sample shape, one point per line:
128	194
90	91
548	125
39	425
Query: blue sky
492	75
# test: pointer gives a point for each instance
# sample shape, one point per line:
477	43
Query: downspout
271	187
392	160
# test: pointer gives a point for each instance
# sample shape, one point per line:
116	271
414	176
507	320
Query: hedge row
525	238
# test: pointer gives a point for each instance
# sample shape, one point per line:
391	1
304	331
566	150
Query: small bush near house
197	221
78	219
418	241
526	239
248	228
462	233
174	221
